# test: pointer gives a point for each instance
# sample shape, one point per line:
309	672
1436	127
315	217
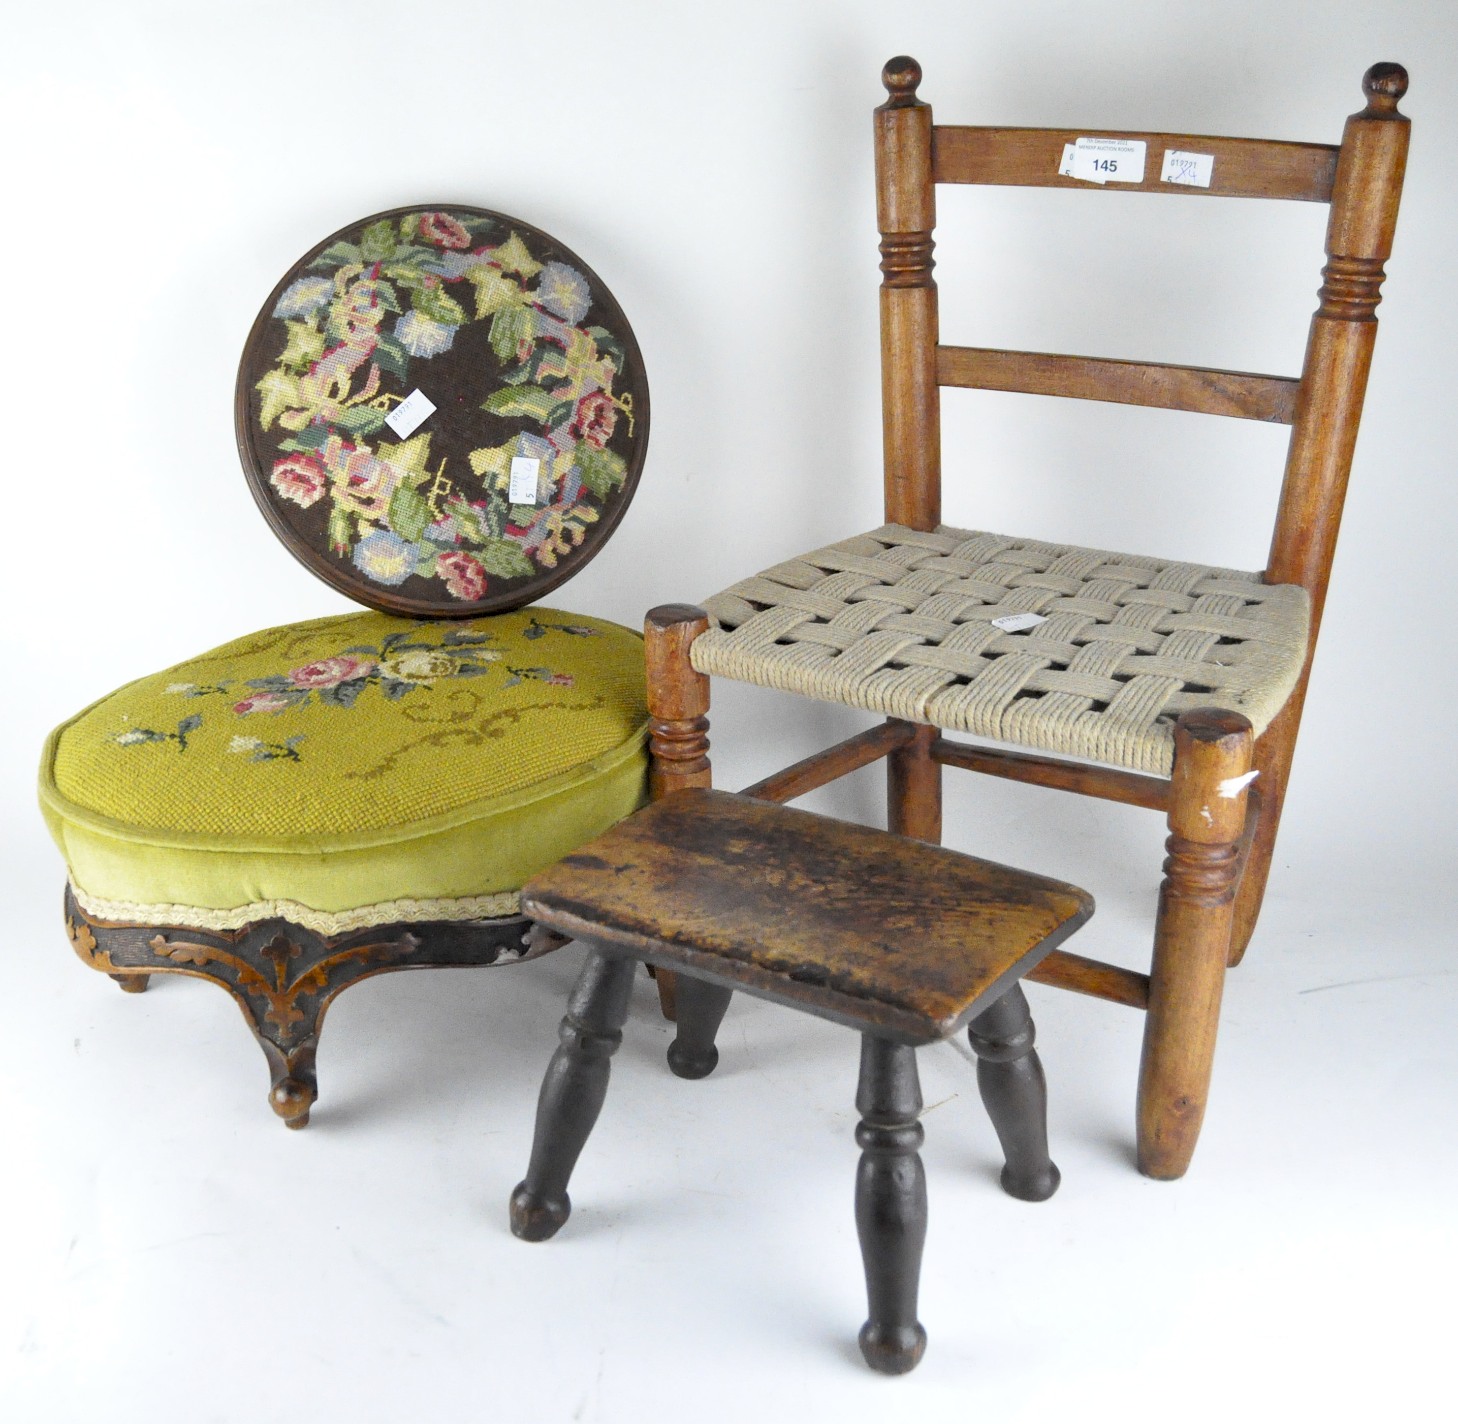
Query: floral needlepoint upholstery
335	771
442	412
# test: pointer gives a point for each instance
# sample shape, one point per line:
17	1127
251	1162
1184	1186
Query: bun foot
892	1349
700	1011
1031	1186
132	983
689	1063
291	1100
535	1217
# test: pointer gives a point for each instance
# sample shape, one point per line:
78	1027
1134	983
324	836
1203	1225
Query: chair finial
901	76
1383	84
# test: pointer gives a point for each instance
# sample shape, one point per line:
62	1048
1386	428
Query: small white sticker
1194	170
1018	622
410	414
1104	160
524	473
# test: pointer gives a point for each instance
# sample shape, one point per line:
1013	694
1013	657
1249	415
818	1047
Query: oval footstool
315	803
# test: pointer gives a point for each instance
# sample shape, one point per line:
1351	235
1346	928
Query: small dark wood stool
899	939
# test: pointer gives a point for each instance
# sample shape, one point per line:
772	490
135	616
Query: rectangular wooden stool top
871	930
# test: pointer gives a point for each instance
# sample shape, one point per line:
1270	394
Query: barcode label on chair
410	414
524	474
1018	622
1104	160
1194	170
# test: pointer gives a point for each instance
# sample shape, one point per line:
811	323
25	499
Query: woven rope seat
901	622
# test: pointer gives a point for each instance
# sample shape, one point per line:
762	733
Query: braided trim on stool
319	922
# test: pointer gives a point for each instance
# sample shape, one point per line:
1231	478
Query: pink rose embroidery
361	482
330	672
463	575
261	702
595	419
299	478
442	230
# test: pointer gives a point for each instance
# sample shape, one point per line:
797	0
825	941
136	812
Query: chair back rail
1196	388
1030	158
1361	179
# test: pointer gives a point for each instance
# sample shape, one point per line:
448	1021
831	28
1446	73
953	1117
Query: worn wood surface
914	788
1195	388
834	762
1244	167
284	977
1109	783
1093	977
1191	936
1365	199
906	213
678	723
866	929
678	700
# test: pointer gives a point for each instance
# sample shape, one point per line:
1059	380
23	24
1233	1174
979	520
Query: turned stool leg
700	1011
890	1203
1010	1079
572	1093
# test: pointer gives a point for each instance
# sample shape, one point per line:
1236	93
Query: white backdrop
166	162
170	161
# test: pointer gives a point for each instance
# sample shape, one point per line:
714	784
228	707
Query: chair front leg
678	724
1192	935
914	789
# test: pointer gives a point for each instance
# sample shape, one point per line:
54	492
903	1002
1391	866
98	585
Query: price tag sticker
525	471
1194	170
1018	622
1104	160
410	414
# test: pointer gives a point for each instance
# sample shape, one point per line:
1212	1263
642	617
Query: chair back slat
1196	388
1242	167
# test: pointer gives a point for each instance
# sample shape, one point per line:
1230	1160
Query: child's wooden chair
1073	651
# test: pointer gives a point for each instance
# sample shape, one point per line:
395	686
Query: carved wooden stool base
903	941
284	977
890	1195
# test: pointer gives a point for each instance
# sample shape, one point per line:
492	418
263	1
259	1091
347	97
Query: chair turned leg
1191	936
572	1093
678	728
132	983
1010	1079
890	1204
700	1011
